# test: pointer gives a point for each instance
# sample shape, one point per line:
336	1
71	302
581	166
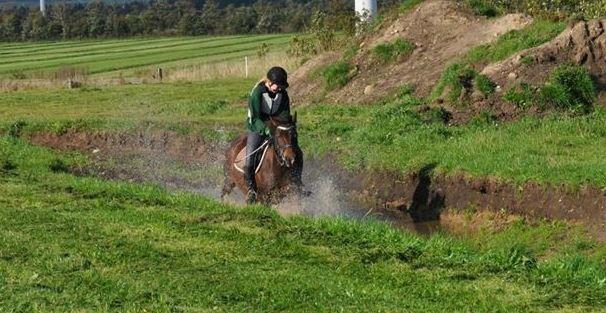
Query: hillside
447	51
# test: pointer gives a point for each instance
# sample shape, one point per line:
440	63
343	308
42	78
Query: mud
423	201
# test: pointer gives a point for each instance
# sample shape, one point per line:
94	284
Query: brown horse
273	177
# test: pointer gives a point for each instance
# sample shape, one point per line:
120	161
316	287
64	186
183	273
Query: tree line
98	19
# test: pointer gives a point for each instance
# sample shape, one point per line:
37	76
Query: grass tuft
337	75
392	51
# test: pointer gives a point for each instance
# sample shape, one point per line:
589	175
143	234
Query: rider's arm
254	122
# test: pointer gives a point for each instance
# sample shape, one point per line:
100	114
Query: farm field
103	56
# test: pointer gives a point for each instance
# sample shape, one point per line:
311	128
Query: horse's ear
294	118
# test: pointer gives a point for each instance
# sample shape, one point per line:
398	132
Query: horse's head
285	139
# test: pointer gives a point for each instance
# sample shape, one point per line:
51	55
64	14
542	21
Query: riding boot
251	184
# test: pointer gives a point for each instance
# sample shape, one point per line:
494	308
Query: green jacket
262	104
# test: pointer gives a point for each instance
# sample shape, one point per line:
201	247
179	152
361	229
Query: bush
337	75
389	52
570	87
483	7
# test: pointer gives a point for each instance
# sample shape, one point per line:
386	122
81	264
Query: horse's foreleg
228	186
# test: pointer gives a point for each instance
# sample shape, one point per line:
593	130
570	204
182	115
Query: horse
281	156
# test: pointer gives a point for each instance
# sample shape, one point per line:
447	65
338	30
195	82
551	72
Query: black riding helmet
277	75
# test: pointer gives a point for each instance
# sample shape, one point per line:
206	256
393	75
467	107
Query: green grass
195	105
81	244
539	32
570	88
336	75
112	55
392	136
557	149
392	51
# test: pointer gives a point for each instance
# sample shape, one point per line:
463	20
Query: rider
268	98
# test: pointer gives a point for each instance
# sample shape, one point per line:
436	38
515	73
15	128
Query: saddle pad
241	159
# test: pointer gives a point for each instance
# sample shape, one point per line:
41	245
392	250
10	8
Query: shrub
570	87
483	7
389	52
337	75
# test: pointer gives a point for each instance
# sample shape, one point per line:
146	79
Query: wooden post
246	66
159	74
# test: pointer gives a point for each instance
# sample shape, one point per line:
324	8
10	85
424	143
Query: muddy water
330	196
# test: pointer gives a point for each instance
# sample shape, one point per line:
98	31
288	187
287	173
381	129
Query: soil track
421	200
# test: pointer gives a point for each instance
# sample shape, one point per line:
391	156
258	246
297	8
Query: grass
392	51
392	136
81	244
570	88
539	32
558	149
40	60
337	75
203	104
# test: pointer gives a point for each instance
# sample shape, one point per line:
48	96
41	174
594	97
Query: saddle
259	157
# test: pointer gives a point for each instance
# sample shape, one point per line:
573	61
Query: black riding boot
251	184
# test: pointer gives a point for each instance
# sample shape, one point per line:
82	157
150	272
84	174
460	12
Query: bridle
280	148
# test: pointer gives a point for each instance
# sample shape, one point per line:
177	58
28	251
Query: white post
246	65
366	9
42	8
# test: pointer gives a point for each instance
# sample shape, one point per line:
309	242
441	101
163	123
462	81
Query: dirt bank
440	31
417	199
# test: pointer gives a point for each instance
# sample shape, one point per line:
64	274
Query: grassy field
558	149
81	244
103	56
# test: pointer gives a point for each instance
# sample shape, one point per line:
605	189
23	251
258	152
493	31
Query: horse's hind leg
228	186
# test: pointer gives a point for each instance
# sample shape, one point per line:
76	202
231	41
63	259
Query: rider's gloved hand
267	131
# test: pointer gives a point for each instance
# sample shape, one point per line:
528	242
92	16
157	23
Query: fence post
246	65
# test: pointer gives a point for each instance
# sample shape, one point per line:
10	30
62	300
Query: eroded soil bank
422	201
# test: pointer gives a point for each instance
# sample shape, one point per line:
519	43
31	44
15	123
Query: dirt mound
440	31
306	87
583	43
